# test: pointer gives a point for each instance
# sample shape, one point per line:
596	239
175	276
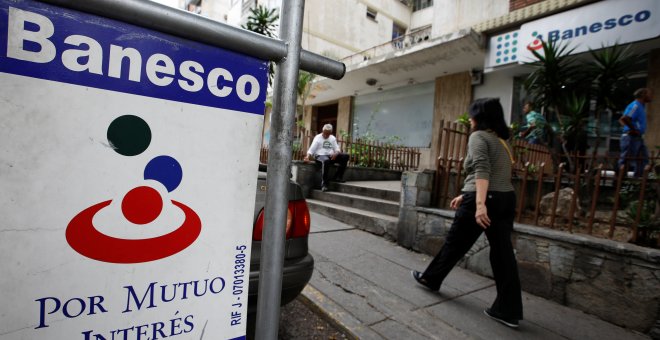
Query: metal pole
279	167
190	26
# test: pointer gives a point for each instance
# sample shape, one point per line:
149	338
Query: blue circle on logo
165	170
499	39
513	57
506	58
498	60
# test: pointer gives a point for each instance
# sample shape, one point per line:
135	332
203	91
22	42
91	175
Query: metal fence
363	153
593	196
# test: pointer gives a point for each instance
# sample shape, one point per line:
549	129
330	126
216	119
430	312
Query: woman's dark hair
488	115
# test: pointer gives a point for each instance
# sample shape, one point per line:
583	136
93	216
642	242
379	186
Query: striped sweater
487	159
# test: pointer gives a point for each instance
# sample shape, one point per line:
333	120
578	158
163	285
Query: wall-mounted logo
129	136
506	48
537	43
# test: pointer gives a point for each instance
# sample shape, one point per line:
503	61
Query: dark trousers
462	235
326	162
634	152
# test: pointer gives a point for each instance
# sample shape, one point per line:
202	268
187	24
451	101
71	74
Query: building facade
582	28
412	64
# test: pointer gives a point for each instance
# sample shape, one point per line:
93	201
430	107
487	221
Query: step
348	188
377	205
372	222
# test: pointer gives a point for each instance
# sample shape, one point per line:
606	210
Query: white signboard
594	26
128	166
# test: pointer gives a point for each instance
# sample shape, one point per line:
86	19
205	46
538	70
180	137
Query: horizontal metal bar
162	18
318	64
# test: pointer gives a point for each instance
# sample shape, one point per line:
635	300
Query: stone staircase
371	206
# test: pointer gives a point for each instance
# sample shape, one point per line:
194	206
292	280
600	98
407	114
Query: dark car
298	263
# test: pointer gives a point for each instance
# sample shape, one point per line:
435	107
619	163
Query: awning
422	62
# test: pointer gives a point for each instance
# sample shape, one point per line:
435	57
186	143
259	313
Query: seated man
326	151
535	129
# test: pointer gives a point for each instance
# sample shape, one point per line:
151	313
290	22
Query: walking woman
486	205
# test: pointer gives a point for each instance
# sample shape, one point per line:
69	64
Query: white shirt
323	146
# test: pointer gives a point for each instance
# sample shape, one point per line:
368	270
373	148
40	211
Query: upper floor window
398	33
194	6
421	4
371	13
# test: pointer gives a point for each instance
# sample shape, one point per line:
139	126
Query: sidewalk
363	283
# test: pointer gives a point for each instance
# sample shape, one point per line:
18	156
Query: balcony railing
397	44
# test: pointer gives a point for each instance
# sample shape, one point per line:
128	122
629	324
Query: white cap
327	127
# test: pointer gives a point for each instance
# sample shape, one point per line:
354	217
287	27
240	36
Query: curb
336	315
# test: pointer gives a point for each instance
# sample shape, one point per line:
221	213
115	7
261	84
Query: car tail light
301	220
297	221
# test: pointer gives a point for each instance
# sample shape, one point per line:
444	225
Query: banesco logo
130	135
609	24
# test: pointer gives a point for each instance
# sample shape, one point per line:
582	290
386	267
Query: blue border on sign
232	72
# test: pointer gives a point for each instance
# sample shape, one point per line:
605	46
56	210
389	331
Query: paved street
363	282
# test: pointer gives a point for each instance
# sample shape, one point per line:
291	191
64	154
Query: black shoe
418	277
508	322
324	188
339	180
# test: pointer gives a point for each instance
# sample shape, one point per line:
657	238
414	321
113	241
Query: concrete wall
324	35
500	85
452	15
218	10
425	160
422	18
617	282
234	14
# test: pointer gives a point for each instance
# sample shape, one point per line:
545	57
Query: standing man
634	127
325	150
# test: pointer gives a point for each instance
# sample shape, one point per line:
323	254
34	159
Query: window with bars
398	33
371	13
195	7
421	4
